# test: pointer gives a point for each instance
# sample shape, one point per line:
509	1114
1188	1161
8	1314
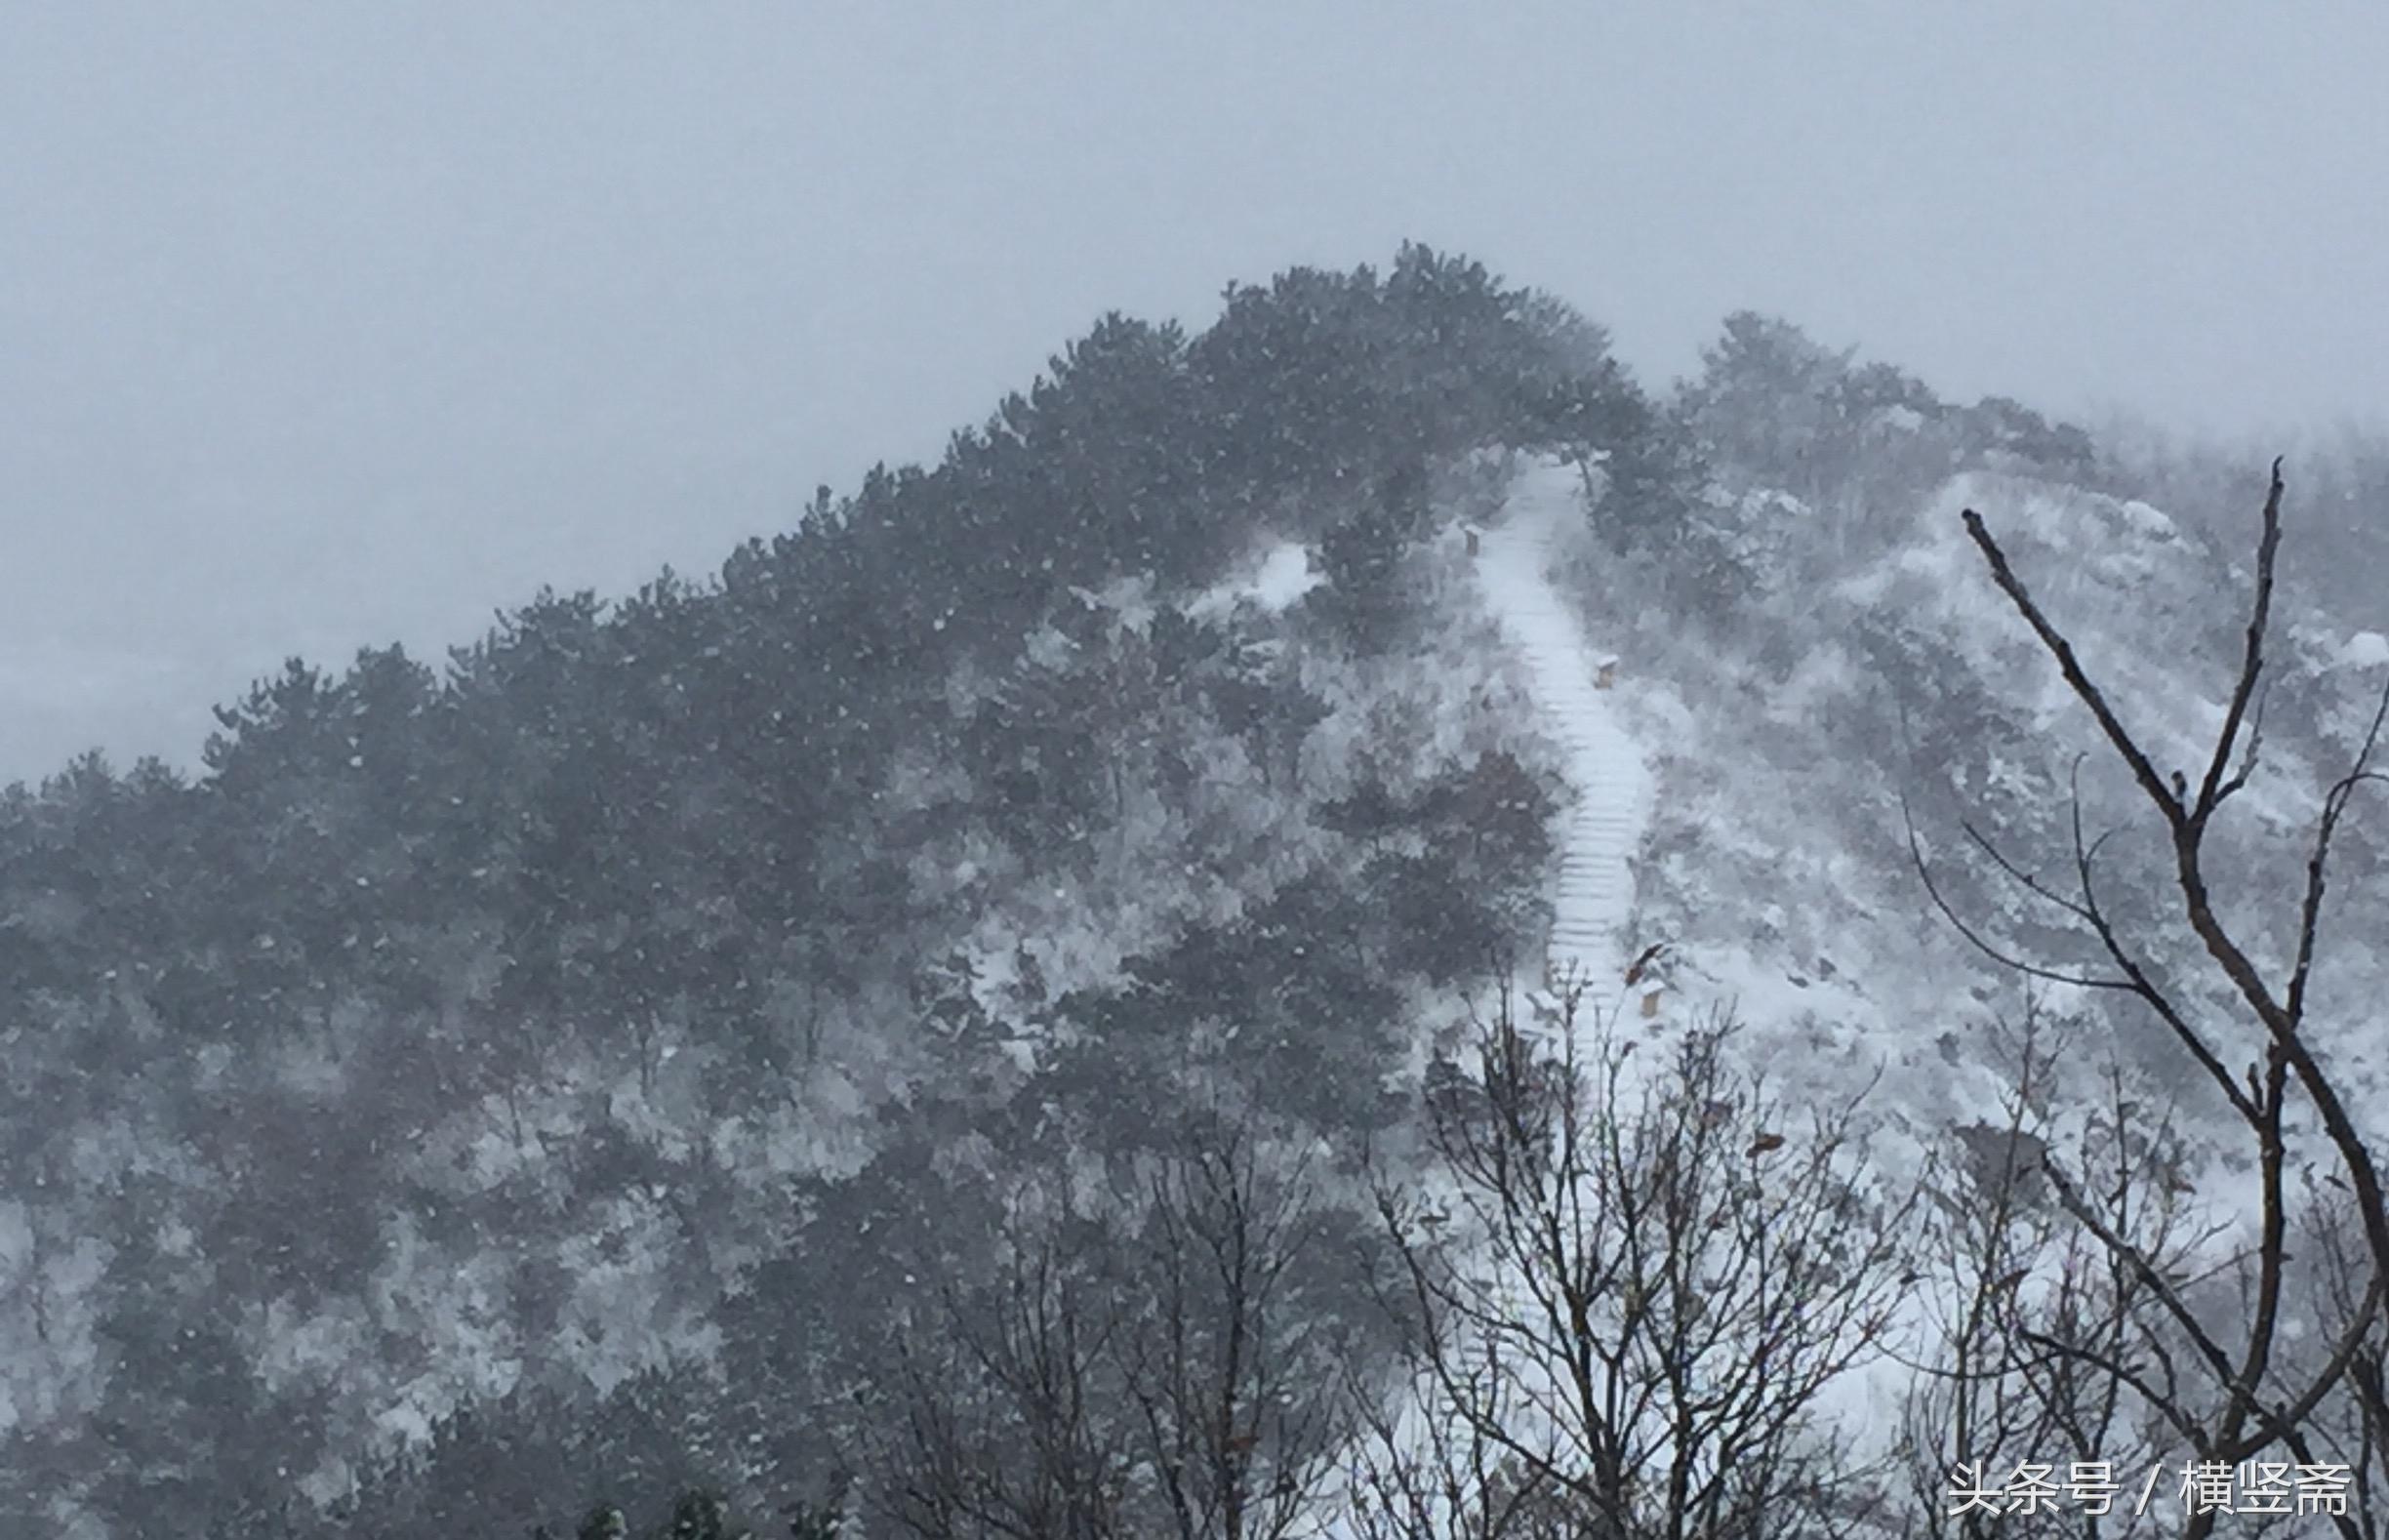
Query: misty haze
1306	772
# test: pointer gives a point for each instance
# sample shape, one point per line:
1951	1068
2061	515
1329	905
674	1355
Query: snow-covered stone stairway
1595	900
1600	831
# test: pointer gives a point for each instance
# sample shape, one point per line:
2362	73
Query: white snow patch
2365	650
2148	520
1285	576
1270	579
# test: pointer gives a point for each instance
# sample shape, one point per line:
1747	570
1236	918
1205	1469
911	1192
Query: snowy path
1595	900
1600	831
1611	786
1600	834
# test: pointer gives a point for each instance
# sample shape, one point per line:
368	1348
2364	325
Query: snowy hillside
1797	741
859	1014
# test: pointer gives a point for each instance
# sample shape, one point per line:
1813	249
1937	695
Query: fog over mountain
321	328
824	821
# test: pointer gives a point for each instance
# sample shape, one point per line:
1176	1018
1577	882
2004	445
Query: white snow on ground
1594	936
2365	650
1285	576
1594	904
1272	577
2148	520
1612	785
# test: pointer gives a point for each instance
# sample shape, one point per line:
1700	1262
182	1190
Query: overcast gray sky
329	324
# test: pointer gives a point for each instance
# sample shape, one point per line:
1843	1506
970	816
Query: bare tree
2028	1307
1164	1368
1232	1377
2236	1387
1005	1425
2351	1426
1629	1301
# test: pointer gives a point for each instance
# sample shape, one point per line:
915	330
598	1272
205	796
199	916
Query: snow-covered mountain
613	1057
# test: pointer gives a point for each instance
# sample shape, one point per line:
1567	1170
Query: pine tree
702	1516
604	1523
